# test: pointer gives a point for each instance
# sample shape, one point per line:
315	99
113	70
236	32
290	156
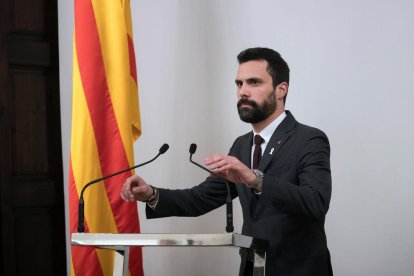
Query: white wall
352	65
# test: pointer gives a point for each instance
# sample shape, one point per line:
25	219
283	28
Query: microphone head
164	148
193	148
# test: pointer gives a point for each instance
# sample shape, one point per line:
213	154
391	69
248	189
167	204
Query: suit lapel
276	142
278	139
245	156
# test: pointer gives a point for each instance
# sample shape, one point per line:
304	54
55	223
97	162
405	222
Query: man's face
255	92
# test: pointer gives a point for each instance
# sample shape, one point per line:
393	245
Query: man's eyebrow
249	80
256	79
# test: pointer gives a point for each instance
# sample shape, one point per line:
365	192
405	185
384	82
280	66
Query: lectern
121	243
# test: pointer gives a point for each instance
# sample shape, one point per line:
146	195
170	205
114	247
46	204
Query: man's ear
281	90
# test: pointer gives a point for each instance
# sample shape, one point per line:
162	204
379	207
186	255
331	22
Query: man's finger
137	189
123	197
213	159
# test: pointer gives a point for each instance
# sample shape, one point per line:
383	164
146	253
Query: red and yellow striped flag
105	123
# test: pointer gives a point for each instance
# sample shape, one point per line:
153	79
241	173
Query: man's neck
259	126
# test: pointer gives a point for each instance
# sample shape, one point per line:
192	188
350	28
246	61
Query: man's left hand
230	168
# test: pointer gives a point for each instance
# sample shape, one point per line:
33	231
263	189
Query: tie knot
258	140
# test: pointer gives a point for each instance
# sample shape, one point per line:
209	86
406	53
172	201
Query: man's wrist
258	181
153	199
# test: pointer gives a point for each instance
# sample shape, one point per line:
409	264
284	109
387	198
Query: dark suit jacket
289	213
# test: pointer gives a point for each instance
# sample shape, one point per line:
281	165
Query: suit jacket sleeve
305	188
196	201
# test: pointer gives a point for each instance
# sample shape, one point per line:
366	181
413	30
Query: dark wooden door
31	184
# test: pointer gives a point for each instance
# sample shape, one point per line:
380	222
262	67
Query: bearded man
280	171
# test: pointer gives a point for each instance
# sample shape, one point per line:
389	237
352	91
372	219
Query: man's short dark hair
277	67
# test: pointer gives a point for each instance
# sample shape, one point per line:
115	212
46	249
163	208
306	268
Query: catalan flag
105	123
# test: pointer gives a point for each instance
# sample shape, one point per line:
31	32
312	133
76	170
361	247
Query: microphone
81	213
229	205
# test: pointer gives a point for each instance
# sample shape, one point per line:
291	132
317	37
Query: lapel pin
271	151
279	142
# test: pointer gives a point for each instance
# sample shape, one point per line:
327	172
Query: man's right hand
135	188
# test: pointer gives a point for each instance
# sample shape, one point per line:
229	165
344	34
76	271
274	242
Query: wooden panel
30	15
30	145
31	182
28	50
32	192
38	244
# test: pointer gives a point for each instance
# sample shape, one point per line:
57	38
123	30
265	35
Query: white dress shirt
267	133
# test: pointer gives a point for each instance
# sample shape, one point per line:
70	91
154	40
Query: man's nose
244	91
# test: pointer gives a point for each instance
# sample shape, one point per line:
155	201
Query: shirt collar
267	132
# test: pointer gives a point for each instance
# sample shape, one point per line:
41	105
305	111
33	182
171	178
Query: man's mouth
246	103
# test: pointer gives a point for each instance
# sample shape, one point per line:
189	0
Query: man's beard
256	113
